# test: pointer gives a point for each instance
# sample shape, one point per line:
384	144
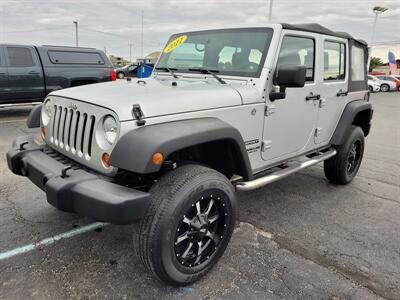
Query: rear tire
121	75
343	167
188	224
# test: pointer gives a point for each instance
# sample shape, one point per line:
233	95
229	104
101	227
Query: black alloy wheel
354	158
200	231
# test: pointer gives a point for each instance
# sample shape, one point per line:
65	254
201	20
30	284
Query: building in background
118	61
150	59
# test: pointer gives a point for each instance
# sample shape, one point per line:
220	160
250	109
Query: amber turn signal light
105	158
157	158
43	133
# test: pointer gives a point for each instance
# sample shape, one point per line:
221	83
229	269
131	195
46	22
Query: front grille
72	130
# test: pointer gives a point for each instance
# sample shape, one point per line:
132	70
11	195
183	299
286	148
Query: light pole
76	33
141	50
271	3
377	10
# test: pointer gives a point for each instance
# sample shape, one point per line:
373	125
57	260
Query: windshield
236	52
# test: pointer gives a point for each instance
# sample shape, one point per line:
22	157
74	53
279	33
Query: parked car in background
375	73
374	84
397	77
385	85
389	78
29	73
127	71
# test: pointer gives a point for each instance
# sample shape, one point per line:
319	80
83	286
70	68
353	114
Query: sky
113	25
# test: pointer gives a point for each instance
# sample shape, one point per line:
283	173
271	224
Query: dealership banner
392	63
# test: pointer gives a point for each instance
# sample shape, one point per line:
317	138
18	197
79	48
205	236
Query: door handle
342	93
33	72
311	96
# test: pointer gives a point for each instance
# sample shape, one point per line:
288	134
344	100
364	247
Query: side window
334	61
20	57
298	51
225	57
237	59
255	56
357	64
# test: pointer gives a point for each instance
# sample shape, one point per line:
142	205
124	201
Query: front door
290	123
25	76
334	92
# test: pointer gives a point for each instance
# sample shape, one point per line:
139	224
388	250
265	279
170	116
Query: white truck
225	110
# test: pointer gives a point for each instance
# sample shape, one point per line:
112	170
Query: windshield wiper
170	70
210	72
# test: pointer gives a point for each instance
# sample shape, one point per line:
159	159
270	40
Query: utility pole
105	50
76	33
130	52
271	3
141	51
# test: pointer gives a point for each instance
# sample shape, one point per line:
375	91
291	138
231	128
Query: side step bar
262	181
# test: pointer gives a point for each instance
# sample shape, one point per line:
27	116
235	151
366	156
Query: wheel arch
33	120
358	113
207	139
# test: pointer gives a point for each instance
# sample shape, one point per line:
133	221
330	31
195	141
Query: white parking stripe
51	240
12	121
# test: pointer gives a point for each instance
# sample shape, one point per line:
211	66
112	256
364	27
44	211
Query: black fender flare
133	152
33	120
347	120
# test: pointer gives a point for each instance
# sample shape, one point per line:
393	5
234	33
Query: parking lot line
11	121
51	240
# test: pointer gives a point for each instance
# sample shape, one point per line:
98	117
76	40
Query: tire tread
163	194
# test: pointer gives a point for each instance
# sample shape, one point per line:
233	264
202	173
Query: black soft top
317	28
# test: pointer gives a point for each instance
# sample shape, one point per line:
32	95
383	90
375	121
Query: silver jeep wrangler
225	110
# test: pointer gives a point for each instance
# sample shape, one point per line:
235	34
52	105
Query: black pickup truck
29	73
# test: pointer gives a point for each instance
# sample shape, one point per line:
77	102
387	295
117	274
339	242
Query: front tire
385	88
188	224
343	167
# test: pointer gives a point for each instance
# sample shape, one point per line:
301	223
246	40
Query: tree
375	62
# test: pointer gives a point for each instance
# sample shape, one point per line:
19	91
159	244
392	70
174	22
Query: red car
376	73
390	78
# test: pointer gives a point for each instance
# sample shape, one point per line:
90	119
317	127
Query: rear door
25	75
4	90
334	83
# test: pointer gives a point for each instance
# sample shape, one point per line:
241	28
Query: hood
156	97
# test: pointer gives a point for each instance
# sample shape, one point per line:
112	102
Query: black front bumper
76	190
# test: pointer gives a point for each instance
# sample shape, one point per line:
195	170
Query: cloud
113	25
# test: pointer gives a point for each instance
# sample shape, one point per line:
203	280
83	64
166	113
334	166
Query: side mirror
291	76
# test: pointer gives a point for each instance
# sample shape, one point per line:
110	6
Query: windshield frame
268	30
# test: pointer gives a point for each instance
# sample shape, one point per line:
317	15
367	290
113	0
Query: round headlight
110	127
46	112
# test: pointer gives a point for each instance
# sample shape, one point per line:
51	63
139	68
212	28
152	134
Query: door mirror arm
278	95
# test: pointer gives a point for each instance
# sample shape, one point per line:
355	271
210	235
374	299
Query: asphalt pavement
299	238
